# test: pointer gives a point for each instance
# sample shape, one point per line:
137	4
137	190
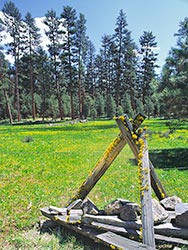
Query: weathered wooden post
140	152
145	194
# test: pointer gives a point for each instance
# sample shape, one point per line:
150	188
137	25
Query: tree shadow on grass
63	126
170	158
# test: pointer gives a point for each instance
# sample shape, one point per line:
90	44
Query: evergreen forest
71	79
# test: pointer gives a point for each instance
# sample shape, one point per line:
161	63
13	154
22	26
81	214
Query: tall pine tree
120	37
14	27
68	55
90	69
31	45
81	49
175	75
55	34
148	58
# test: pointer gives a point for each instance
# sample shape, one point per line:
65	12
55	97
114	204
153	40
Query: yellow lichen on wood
141	234
143	186
162	194
55	218
134	136
122	118
110	148
67	218
112	247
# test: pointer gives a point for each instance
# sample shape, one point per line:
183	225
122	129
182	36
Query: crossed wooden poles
113	150
149	177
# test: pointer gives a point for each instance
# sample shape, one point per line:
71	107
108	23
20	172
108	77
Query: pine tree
100	104
98	72
127	105
107	66
1	48
80	50
89	103
4	82
175	75
146	72
68	55
31	45
110	106
1	30
120	38
55	34
90	69
129	71
14	27
43	78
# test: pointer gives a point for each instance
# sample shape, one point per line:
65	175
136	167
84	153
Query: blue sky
162	17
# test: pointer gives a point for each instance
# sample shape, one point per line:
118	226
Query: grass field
44	164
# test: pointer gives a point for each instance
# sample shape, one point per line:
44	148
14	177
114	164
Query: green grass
44	164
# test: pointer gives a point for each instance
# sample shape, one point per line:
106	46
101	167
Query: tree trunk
72	104
59	100
43	96
80	96
32	91
17	93
8	106
132	97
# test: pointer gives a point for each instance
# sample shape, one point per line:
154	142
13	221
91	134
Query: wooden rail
145	195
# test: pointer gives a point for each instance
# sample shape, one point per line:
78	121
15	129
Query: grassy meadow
44	164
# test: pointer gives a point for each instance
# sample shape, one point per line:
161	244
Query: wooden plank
128	123
156	184
121	242
145	195
161	239
167	229
73	217
75	204
128	137
111	220
127	232
137	121
134	234
57	210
